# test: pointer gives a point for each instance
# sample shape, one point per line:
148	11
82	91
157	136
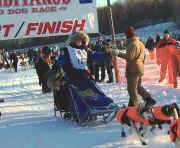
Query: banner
42	18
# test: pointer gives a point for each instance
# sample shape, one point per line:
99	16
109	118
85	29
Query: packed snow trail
28	119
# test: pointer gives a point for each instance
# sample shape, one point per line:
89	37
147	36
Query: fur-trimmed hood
78	36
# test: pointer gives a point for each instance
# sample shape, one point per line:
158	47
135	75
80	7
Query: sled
84	106
87	107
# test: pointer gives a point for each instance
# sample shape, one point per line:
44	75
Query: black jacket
150	44
42	69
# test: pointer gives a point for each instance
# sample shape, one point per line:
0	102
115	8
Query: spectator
14	61
174	62
109	60
150	46
21	56
5	56
47	52
164	56
42	69
40	52
99	65
90	65
1	60
36	61
158	38
135	57
30	55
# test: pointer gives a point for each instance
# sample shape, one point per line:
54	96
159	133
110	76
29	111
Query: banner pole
111	20
114	40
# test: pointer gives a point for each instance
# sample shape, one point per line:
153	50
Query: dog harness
133	114
159	115
174	130
120	114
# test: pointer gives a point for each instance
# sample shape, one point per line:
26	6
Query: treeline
129	12
138	13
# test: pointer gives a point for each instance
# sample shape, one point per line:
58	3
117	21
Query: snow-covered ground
28	118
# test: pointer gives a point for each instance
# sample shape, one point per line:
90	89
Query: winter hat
157	35
130	32
78	36
166	31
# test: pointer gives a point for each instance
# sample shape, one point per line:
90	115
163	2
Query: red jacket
40	52
162	51
174	63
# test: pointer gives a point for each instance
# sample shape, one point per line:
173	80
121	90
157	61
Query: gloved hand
115	52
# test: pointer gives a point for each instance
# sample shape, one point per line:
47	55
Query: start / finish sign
42	18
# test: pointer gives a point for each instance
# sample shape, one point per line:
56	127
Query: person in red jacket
40	52
174	131
174	62
164	56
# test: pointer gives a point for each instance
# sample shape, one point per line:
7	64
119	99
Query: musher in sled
86	100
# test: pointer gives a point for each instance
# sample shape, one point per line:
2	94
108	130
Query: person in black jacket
42	68
109	60
99	66
14	61
150	44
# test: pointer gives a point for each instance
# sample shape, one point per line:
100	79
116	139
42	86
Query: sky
103	2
